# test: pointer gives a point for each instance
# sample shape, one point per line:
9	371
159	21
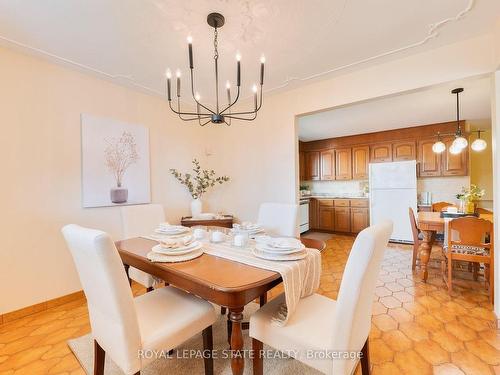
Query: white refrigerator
393	188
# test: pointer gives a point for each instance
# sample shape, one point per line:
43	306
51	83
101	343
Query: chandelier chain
216	43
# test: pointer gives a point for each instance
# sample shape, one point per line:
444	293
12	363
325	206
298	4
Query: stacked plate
171	230
176	250
279	248
248	228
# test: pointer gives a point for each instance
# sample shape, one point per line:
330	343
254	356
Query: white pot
195	208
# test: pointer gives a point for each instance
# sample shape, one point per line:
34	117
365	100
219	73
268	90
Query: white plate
268	256
273	250
172	231
284	243
155	257
178	251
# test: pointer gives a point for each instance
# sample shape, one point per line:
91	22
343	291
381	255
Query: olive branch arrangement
200	181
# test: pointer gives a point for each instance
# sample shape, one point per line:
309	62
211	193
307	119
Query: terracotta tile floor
417	328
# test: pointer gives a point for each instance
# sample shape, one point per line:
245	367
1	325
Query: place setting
279	248
176	250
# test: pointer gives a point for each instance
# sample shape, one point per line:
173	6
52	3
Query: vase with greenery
198	183
469	198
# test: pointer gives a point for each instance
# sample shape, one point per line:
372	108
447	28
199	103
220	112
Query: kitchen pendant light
439	146
454	150
479	144
460	141
219	114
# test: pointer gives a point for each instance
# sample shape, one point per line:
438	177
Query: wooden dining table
429	223
218	280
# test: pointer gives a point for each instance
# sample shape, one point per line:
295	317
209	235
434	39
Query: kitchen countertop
318	196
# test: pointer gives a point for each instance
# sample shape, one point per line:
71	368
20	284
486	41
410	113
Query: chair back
413	224
439	206
109	298
141	220
354	302
470	231
279	219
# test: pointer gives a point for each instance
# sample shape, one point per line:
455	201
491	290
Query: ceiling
426	106
133	42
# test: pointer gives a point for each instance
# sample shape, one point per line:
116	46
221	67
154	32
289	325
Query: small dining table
224	282
429	223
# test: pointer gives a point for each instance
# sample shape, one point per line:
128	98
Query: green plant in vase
469	198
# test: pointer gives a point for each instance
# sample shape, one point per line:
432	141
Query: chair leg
258	364
365	358
222	310
263	299
208	346
450	270
149	289
229	331
475	271
99	355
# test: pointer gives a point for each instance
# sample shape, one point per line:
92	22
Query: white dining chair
279	219
320	326
122	326
141	220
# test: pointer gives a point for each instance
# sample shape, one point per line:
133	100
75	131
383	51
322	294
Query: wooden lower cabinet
342	219
313	213
359	219
326	218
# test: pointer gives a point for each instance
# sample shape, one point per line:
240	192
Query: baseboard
42	306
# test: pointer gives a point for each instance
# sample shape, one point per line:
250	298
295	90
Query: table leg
127	267
425	252
237	360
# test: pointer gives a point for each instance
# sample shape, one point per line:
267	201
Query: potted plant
469	198
198	183
120	154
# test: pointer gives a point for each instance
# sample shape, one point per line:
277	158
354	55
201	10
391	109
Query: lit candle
190	44
228	89
238	71
262	61
169	75
254	89
178	74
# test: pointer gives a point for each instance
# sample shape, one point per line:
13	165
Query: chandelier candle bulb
254	89
262	61
178	73
238	72
190	46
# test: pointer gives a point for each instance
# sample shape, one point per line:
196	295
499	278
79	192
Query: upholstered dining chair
279	219
466	241
123	326
141	220
321	324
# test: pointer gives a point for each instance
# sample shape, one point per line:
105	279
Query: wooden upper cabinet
312	165
342	219
429	161
302	166
327	165
404	151
381	152
343	164
454	165
360	161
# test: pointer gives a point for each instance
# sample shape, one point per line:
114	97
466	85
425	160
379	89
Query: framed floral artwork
115	162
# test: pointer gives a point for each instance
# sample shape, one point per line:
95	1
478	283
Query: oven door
304	215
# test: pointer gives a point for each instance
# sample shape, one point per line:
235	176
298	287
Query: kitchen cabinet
359	219
343	164
327	165
342	218
429	163
326	215
360	161
313	213
312	165
302	166
454	165
381	152
404	151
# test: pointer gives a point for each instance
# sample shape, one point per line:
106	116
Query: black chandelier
219	115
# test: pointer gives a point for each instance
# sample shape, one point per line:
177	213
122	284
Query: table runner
300	278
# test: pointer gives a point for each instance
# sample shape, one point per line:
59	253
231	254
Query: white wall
443	189
40	169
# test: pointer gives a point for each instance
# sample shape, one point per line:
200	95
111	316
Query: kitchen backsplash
340	188
442	188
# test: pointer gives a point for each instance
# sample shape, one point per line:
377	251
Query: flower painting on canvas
115	162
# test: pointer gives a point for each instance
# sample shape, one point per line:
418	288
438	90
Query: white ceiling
133	42
425	106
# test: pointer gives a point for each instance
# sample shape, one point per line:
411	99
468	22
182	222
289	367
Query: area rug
82	347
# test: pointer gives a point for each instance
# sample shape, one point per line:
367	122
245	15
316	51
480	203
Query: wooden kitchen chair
471	246
439	206
417	238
